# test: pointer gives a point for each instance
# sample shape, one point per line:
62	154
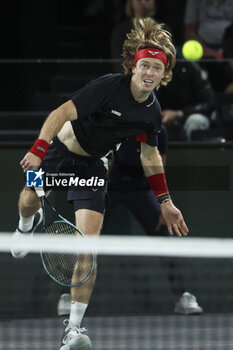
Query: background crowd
197	105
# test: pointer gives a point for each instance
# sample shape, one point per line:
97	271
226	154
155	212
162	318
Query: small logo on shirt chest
116	112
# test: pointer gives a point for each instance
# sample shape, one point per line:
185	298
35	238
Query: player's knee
28	198
89	221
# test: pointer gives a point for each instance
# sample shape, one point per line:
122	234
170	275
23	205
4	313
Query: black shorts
60	160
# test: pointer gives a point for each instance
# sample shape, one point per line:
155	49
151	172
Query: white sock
77	312
25	224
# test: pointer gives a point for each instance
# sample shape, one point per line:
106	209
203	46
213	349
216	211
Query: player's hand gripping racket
69	270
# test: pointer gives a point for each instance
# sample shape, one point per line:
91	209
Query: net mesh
139	300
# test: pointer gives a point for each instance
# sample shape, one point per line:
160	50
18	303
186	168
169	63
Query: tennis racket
68	270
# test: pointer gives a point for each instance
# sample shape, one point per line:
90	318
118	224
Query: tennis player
127	186
82	131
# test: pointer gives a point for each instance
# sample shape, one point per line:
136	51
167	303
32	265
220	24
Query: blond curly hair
148	34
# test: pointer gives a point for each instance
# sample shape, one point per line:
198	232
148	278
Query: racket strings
67	269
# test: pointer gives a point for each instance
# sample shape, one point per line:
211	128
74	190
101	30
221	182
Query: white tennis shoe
73	338
19	254
64	304
188	305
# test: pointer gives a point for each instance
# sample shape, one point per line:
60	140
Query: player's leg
30	217
29	205
64	303
90	223
89	207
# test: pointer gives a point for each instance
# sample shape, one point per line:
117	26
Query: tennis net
149	294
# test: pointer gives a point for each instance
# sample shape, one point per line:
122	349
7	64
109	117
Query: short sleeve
151	138
163	140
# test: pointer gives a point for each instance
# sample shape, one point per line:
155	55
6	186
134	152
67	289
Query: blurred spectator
187	102
133	8
164	11
225	99
228	42
228	53
207	21
140	8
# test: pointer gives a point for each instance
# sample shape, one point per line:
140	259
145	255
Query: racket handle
40	192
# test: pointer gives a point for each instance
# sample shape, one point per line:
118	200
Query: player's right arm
53	124
154	172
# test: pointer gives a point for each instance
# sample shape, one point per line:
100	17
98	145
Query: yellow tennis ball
192	50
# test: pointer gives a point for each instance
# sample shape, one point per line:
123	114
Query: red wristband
40	148
158	184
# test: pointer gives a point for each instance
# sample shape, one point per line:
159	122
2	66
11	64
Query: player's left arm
52	125
154	172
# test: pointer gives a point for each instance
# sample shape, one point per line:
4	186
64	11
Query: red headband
152	53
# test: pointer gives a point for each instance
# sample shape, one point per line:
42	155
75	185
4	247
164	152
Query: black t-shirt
108	115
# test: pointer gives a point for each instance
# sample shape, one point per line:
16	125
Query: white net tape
122	245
